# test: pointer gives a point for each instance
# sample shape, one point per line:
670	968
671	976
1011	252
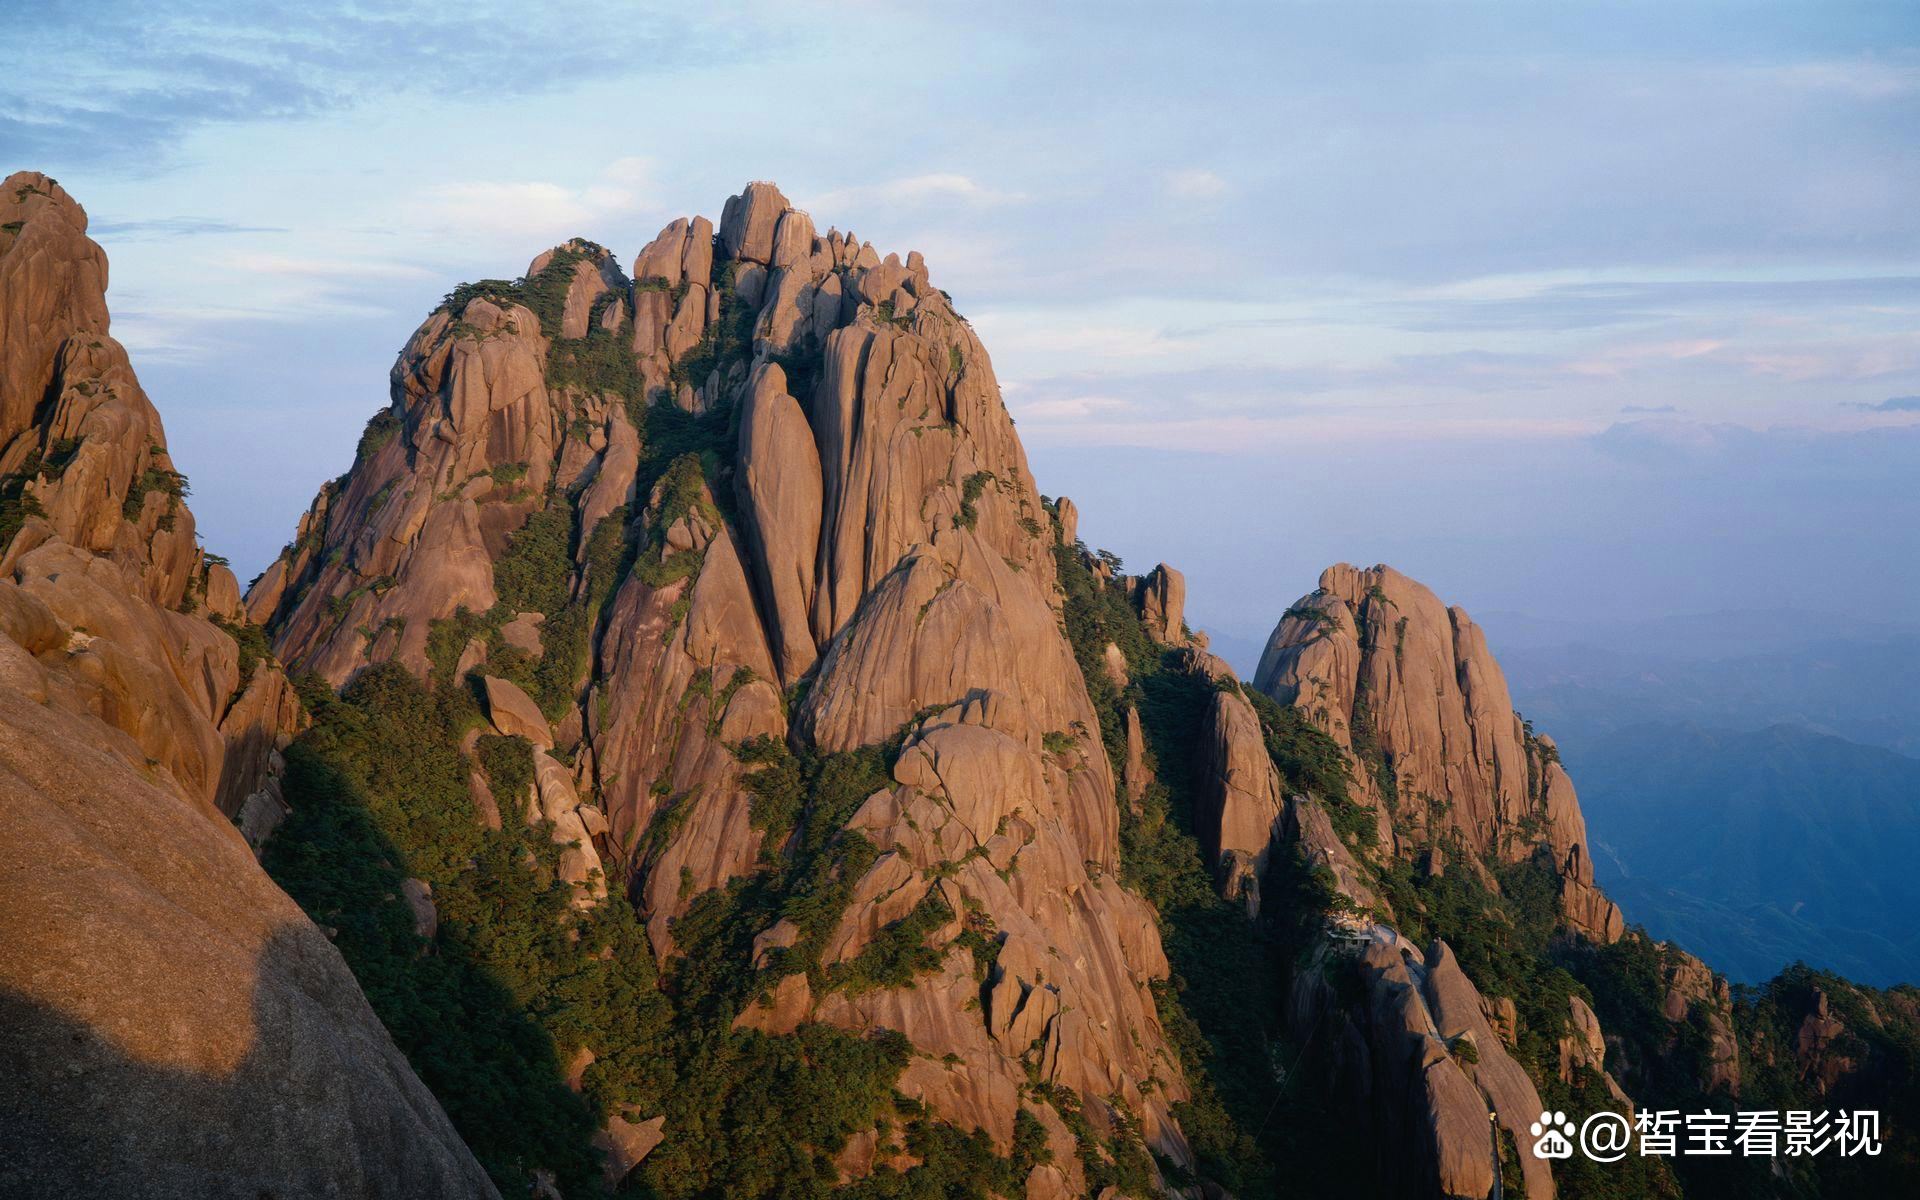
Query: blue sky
1570	310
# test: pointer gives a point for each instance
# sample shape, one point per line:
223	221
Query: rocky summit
686	755
764	499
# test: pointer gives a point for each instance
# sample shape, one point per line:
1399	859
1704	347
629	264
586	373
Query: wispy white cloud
183	331
127	81
526	209
1028	333
1859	78
1616	361
1194	183
173	227
1640	245
932	188
1063	409
1240	435
326	268
1859	361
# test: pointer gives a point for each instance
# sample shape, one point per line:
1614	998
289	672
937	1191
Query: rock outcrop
1693	990
1238	815
835	542
1441	776
1408	687
1423	1060
736	602
1161	597
1308	828
170	1023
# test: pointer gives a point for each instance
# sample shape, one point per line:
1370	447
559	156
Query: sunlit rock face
1408	686
170	1023
856	553
1440	775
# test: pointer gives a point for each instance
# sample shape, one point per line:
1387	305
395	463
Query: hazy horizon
1569	313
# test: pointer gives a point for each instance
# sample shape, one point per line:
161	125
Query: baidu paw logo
1552	1136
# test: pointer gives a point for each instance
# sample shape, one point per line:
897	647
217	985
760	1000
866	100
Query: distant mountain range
1750	778
1741	671
1753	849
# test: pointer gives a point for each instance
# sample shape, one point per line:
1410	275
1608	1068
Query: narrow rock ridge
170	1023
1441	775
1417	1059
791	508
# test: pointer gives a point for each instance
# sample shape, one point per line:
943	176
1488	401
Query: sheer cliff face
1439	776
1446	800
172	1024
792	507
1407	686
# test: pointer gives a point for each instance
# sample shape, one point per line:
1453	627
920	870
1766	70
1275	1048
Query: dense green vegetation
1883	1037
1256	1117
378	788
515	980
679	496
1662	1063
59	457
253	644
727	340
536	573
381	429
17	503
971	489
602	361
503	292
1312	762
751	1083
543	293
171	485
1501	939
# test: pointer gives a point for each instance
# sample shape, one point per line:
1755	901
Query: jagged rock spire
835	541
